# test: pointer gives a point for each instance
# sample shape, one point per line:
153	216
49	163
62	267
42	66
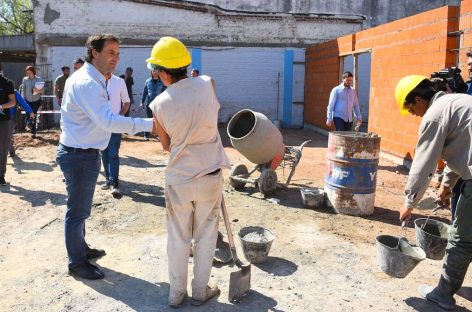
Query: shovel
239	281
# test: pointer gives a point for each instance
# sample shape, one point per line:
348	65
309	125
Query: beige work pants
193	210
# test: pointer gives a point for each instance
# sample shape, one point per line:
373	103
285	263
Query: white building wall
64	20
245	77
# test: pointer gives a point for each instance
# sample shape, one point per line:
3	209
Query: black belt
214	172
79	150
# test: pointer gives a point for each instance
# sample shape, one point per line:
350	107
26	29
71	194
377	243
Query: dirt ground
319	261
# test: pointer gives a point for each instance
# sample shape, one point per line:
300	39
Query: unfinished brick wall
465	25
415	45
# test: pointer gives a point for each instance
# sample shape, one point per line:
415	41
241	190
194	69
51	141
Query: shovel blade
239	283
222	251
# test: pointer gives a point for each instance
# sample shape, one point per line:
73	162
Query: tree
16	17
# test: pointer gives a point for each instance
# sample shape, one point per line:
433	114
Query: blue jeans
341	125
32	122
111	159
149	115
80	171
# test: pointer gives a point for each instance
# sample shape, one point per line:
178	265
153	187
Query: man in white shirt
87	122
120	103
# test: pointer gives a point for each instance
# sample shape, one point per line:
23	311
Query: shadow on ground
139	163
278	266
392	217
143	193
36	198
423	305
21	165
143	296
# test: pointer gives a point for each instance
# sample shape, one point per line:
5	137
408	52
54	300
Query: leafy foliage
16	17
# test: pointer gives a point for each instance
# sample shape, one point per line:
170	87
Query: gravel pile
255	237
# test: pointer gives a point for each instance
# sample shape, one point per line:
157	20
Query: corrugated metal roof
17	43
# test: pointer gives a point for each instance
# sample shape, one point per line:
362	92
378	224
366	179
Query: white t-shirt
188	112
117	93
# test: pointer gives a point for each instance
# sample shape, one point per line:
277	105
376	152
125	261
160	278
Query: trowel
239	281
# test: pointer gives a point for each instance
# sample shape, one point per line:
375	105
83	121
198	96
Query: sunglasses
154	67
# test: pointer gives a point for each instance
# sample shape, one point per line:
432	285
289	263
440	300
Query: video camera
449	79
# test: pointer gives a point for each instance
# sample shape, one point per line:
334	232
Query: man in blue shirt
152	88
342	102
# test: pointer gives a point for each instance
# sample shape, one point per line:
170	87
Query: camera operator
450	81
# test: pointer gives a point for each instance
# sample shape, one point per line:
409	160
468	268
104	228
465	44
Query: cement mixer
257	139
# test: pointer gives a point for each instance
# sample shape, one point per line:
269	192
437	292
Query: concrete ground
319	261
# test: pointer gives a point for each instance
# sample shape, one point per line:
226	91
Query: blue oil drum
351	173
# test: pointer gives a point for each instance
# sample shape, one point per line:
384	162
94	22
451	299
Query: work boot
433	294
92	253
2	181
176	302
210	292
86	270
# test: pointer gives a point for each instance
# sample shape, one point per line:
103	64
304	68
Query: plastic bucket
351	173
394	262
256	242
433	238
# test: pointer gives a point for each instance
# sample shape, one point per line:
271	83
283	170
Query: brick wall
465	25
415	45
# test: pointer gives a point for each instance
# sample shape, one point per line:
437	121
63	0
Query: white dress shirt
118	93
87	120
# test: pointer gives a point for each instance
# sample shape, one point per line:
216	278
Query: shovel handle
229	233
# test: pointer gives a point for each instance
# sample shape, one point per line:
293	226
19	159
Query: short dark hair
347	74
78	61
424	90
129	69
63	68
96	42
31	68
176	73
196	70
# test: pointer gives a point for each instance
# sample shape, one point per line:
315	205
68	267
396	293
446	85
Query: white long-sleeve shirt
87	120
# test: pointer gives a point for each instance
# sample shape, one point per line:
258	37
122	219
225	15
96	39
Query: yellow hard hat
170	53
404	87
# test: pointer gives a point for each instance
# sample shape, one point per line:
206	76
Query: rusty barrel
351	175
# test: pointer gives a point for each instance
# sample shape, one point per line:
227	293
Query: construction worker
445	131
186	117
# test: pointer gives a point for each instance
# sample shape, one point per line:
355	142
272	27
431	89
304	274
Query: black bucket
394	262
433	238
